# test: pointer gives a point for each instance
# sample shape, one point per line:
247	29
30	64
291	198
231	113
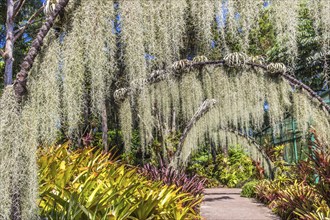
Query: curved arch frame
161	75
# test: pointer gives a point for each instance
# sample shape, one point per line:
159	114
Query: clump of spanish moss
18	170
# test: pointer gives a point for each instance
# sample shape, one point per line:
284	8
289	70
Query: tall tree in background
19	22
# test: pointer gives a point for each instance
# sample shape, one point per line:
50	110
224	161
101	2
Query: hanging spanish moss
45	92
163	29
100	48
126	123
202	18
29	185
132	39
278	99
74	72
285	15
308	116
319	10
9	150
191	93
146	119
18	170
239	19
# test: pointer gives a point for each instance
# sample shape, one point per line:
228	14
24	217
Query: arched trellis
206	106
231	61
260	156
160	75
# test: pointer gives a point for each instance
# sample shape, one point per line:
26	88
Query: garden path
224	203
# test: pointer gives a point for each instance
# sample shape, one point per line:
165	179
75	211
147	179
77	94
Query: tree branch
28	23
2	53
21	77
18	7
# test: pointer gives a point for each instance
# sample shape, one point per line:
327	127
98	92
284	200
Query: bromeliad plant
320	165
307	197
193	185
87	184
298	196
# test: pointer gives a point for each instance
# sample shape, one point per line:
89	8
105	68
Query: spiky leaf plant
87	184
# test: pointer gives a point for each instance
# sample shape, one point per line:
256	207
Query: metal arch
160	75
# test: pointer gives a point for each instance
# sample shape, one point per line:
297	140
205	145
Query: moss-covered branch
21	78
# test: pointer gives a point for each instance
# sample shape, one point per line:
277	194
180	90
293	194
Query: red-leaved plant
320	158
170	176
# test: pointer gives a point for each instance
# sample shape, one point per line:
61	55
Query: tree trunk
105	128
8	77
214	154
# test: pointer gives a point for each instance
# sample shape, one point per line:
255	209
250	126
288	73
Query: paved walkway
223	203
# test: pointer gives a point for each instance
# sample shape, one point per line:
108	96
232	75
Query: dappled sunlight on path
224	203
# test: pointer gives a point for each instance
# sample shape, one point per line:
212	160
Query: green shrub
249	189
236	169
87	184
232	171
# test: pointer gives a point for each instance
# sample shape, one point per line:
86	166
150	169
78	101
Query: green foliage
249	189
237	168
203	165
86	184
232	170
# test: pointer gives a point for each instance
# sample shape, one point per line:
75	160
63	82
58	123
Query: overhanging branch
19	7
21	30
21	77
